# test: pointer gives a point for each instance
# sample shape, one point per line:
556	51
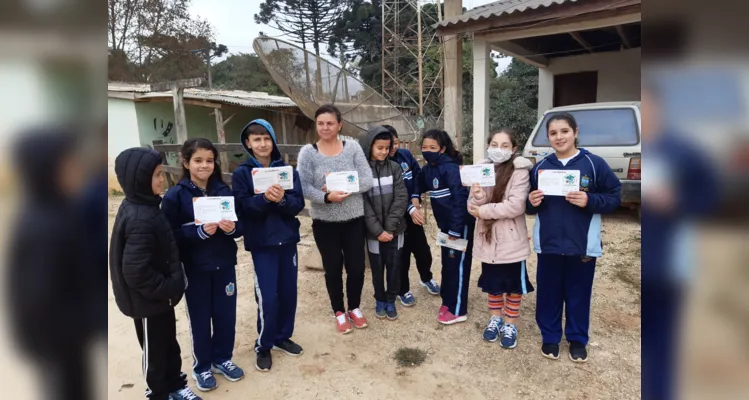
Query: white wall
618	75
122	126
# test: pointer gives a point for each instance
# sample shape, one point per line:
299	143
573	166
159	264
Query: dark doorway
576	88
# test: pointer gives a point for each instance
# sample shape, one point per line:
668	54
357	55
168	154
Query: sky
234	23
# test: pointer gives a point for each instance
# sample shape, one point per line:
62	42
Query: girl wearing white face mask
501	239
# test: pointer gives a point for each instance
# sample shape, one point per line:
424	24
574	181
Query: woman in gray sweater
337	217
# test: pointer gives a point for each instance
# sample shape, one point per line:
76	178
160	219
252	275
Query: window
601	127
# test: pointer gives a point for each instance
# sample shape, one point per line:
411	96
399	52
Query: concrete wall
122	126
618	76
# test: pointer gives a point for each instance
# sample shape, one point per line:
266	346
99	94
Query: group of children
157	256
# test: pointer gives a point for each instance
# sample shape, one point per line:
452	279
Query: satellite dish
311	81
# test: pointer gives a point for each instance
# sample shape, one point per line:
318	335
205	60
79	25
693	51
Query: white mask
498	154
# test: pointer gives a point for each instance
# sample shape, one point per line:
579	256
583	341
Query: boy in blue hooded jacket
271	234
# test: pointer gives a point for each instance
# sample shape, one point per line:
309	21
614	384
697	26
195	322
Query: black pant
161	362
415	243
384	257
340	242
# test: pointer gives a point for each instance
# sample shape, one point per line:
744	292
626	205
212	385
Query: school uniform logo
584	183
452	253
436	183
230	289
404	166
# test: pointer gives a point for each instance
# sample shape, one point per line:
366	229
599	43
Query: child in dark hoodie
271	234
209	254
147	277
385	205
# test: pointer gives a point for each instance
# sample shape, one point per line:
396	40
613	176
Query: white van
609	130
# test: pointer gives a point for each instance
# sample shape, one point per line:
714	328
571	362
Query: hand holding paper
445	241
213	209
483	174
343	181
264	178
553	182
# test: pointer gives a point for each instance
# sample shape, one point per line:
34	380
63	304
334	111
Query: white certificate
555	182
344	181
483	174
457	244
263	178
213	209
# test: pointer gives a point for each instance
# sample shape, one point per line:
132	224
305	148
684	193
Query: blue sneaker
205	381
509	336
432	286
184	394
491	333
392	313
229	370
407	299
380	311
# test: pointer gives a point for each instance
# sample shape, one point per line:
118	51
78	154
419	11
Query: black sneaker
578	352
550	350
289	347
264	361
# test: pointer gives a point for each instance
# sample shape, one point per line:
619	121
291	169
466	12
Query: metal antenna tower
412	54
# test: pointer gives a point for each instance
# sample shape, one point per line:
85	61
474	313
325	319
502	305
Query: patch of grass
115	192
410	357
637	238
478	325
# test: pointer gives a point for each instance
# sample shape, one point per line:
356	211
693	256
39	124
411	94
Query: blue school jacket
564	228
447	194
411	171
266	224
198	249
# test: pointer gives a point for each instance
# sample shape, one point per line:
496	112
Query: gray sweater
313	166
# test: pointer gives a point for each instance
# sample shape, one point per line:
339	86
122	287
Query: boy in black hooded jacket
147	276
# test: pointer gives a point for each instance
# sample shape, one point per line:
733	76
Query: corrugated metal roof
235	97
498	8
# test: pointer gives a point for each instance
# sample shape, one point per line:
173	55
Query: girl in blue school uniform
209	256
440	177
567	238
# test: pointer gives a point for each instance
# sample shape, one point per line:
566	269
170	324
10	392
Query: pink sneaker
442	311
448	318
357	318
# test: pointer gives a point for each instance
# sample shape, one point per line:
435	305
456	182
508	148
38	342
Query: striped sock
496	304
512	309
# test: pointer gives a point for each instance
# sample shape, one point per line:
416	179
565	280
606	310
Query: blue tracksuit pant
456	274
275	293
211	303
564	281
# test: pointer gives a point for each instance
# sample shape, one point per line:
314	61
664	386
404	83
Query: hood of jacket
134	169
275	154
519	162
368	142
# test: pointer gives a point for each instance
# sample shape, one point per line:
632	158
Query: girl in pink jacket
501	238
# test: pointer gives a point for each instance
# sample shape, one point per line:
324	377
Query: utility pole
208	63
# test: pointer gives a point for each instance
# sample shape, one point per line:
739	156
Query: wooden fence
174	172
289	152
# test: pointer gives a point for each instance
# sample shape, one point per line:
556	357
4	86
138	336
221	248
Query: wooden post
453	74
178	88
223	158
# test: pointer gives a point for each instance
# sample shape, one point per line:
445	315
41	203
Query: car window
601	127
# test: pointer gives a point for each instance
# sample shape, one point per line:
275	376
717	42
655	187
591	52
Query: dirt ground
459	364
